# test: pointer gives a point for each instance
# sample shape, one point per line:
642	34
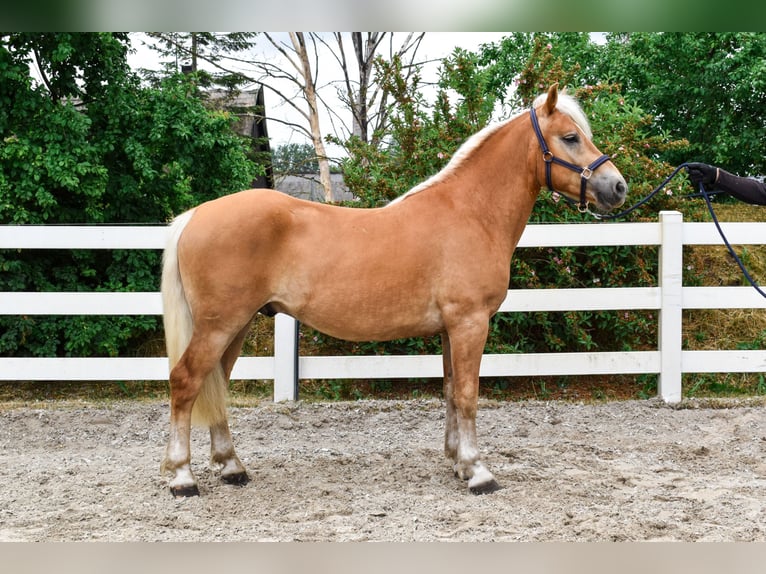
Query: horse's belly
366	321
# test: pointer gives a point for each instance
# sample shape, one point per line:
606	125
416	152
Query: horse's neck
498	185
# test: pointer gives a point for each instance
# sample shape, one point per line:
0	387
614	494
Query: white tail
210	406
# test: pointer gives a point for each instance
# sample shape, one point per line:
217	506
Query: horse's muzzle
610	193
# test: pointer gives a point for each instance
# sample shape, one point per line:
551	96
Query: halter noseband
549	158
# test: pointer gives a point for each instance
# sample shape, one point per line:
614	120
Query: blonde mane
566	104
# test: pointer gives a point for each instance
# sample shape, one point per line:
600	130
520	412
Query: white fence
668	298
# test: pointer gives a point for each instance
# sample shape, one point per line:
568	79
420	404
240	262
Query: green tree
88	144
420	140
183	51
706	88
295	158
522	65
709	88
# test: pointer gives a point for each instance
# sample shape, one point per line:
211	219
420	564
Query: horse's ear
553	97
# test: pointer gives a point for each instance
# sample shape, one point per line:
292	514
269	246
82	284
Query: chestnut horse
436	260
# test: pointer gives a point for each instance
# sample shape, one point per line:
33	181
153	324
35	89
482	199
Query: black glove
702	173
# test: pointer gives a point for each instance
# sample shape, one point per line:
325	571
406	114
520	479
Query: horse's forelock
568	105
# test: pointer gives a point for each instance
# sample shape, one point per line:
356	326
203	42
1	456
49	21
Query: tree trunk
299	44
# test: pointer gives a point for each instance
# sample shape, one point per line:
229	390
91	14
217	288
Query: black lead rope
706	196
607	217
741	265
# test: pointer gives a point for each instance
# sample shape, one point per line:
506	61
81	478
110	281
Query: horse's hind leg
199	365
221	445
186	379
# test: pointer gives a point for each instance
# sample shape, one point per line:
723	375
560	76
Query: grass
251	393
719	329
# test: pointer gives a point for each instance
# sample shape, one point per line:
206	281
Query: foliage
523	65
420	141
705	88
187	48
295	158
90	145
709	88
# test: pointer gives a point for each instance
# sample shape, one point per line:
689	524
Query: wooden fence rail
669	298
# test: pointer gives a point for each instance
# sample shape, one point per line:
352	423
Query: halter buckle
586	173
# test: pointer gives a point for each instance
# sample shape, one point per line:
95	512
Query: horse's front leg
466	346
450	426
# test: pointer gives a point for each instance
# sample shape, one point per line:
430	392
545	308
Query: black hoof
184	491
485	487
237	479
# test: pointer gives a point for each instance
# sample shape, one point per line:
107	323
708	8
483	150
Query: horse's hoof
237	478
484	487
184	491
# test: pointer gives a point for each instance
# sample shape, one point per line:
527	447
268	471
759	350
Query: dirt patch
374	470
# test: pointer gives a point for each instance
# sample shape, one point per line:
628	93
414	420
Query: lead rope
705	195
741	265
605	217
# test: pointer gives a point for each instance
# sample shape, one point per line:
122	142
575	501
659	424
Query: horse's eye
571	138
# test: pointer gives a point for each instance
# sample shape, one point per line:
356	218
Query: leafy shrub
99	150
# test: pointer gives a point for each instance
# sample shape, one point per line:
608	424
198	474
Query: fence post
285	358
670	315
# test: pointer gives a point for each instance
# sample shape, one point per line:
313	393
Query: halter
549	158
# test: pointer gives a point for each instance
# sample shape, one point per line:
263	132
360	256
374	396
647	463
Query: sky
435	46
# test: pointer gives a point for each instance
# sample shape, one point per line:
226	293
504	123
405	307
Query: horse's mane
565	104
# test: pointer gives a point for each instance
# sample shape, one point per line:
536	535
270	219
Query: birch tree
367	102
300	57
293	77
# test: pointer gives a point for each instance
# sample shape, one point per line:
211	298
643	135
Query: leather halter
549	158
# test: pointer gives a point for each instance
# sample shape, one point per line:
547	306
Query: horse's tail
210	405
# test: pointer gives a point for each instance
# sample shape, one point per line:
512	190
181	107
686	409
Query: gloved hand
702	173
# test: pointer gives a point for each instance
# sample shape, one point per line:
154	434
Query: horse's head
570	163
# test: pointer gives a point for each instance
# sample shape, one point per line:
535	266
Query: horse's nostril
621	188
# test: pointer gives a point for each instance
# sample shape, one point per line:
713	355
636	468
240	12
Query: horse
434	261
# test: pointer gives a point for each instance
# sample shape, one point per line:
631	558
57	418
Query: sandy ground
374	470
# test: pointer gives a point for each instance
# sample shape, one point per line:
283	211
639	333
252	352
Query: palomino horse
436	260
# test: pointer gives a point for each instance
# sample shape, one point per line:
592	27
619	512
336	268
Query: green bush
90	145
